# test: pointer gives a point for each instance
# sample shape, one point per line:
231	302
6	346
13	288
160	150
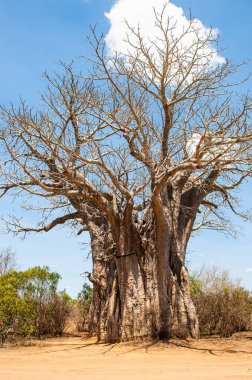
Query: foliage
223	306
31	305
86	294
84	301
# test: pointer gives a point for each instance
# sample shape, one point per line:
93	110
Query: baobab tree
141	151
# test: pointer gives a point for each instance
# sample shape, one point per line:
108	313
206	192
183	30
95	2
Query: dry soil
74	358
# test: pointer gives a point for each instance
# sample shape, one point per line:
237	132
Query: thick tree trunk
104	312
140	283
139	292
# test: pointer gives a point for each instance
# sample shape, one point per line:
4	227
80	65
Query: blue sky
34	35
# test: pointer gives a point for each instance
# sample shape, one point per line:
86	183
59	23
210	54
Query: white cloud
216	148
192	143
248	270
140	12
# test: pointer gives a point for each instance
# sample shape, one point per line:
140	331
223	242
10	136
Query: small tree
7	261
84	302
142	151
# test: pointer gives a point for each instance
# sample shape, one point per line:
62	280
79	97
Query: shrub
54	315
83	304
31	305
223	306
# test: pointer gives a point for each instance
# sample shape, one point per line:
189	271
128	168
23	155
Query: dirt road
77	358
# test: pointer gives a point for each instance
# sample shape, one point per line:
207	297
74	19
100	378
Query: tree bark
141	285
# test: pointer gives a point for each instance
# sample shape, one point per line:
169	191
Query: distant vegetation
223	306
7	261
83	304
32	306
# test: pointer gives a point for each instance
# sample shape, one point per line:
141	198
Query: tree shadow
212	351
69	347
162	345
143	346
183	344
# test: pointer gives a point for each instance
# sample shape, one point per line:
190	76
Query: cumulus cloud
248	270
215	147
141	13
192	143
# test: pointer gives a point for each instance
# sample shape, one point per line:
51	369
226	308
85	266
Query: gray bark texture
140	283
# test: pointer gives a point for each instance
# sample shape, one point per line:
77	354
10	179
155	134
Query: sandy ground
75	358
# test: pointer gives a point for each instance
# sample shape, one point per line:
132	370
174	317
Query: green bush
31	305
84	302
223	306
